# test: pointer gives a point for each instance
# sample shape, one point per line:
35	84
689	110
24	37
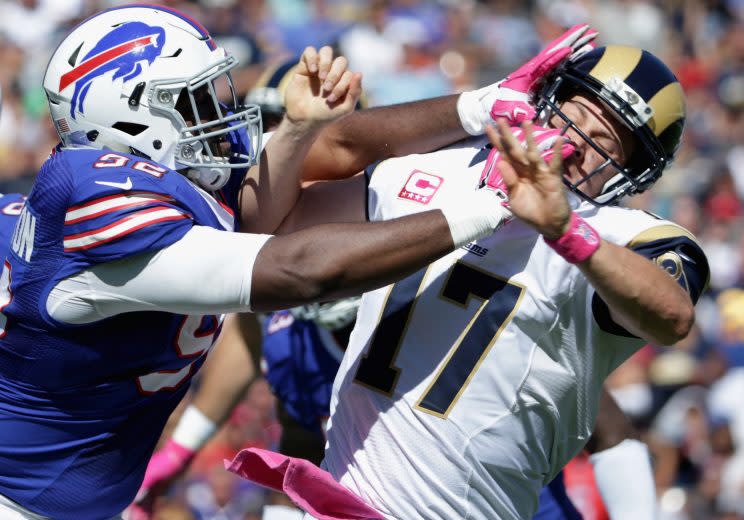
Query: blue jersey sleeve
121	205
674	251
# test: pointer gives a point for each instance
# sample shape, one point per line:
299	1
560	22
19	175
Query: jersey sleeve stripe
101	206
659	232
120	228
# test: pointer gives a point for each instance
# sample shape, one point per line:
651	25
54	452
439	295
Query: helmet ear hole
129	128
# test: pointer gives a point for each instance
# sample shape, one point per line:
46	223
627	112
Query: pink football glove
164	467
511	98
544	139
517	89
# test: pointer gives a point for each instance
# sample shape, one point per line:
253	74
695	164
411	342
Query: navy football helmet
642	93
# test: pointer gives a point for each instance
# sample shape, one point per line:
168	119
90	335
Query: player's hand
512	98
165	466
516	91
491	177
533	177
322	88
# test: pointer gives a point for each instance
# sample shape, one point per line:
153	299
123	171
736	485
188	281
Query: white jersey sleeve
205	272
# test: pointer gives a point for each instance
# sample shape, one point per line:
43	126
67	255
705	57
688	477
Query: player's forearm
612	426
272	187
353	142
228	371
337	260
641	297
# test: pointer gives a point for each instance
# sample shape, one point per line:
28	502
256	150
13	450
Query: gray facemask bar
621	184
333	315
193	146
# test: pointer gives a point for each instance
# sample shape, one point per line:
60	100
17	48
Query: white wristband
281	512
194	429
626	481
474	108
476	217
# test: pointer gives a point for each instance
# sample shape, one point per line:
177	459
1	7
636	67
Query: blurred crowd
685	401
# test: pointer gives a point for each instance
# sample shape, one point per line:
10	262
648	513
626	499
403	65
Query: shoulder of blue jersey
120	204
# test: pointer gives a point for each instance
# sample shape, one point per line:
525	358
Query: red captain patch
420	187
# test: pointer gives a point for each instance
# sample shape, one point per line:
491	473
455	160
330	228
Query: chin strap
211	178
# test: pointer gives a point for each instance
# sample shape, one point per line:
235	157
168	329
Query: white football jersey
467	386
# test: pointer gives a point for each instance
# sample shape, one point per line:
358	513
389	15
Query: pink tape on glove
544	139
578	243
310	487
515	92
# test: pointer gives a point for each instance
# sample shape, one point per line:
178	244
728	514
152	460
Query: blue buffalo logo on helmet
122	50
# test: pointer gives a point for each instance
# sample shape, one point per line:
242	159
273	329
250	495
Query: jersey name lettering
23	236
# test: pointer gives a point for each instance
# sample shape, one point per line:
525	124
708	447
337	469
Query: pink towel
310	487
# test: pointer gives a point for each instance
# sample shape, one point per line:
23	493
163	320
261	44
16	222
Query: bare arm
359	139
327	202
362	138
642	297
271	188
612	426
230	367
333	261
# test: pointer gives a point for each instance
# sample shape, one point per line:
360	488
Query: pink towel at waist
310	487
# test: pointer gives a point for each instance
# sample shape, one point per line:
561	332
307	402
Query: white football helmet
145	80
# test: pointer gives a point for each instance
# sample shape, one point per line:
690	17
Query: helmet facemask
204	124
333	316
648	159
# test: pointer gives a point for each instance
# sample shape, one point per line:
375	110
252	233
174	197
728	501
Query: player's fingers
509	175
568	38
325	59
336	72
532	153
589	36
341	88
493	137
355	87
510	149
507	171
556	162
309	60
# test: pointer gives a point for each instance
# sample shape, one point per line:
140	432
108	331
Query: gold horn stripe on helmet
617	60
668	105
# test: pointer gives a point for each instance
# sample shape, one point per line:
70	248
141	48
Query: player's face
598	123
207	112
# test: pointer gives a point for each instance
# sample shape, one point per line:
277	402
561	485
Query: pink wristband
578	243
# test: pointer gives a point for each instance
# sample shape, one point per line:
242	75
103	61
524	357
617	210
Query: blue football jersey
554	503
11	205
81	407
301	360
